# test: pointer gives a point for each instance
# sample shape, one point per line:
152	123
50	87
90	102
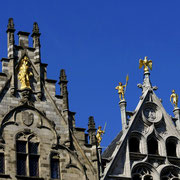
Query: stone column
99	150
122	105
176	112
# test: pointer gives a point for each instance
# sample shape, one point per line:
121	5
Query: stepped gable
149	144
38	135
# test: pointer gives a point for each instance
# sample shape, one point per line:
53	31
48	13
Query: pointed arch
27	154
44	122
152	145
155	144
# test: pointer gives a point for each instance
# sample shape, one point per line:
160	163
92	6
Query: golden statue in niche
146	63
121	90
24	73
99	134
174	98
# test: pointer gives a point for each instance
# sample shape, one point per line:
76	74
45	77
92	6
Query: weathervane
146	63
121	90
174	99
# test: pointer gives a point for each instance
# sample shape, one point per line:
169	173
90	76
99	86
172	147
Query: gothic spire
35	28
63	76
92	130
10	25
63	85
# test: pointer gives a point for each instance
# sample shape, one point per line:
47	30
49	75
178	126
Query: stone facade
39	139
148	147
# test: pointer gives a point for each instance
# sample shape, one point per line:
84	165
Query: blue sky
99	42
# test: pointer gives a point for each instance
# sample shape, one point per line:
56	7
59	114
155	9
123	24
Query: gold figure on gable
99	134
25	73
174	98
121	90
146	63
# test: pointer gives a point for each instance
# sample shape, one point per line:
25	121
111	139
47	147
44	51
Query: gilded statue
99	134
121	90
25	73
174	98
146	63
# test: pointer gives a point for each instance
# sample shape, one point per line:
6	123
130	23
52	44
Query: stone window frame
54	156
176	141
144	170
28	138
170	172
142	142
160	141
150	145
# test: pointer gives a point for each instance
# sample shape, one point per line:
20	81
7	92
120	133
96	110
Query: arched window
170	173
142	173
27	146
55	166
171	144
152	146
134	144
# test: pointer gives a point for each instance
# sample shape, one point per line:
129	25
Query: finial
35	28
91	123
174	99
10	24
63	76
146	63
121	90
99	134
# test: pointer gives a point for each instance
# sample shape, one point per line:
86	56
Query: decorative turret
92	130
10	37
64	92
122	102
35	35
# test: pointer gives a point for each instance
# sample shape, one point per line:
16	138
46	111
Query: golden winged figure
174	98
146	63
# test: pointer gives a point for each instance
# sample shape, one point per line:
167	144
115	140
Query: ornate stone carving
26	97
27	118
151	113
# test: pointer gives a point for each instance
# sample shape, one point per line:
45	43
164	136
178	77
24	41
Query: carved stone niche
151	113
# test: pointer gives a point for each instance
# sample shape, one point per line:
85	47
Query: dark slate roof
110	149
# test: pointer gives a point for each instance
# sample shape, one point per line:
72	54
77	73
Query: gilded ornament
99	134
25	73
146	63
174	99
121	90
